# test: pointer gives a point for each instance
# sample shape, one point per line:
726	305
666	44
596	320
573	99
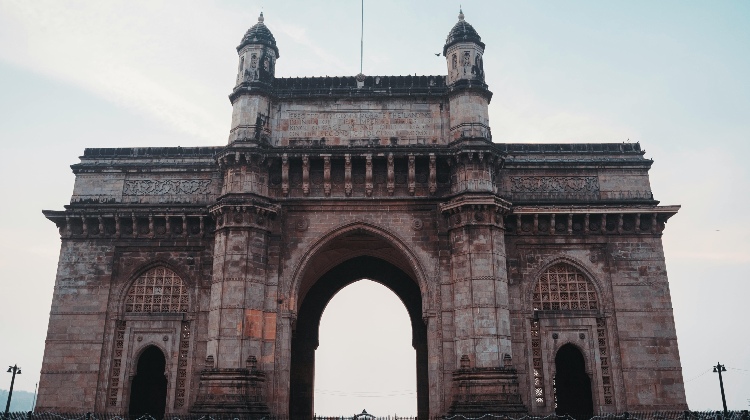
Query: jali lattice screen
157	290
563	288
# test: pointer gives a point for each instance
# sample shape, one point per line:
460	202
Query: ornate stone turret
470	96
463	51
257	68
258	53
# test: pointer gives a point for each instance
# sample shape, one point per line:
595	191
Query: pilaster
486	381
238	323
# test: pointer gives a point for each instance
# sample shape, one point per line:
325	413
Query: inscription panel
399	122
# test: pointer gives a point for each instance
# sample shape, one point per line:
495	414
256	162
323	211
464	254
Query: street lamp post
15	370
718	369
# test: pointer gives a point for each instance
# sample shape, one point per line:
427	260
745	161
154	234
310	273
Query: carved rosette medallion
301	225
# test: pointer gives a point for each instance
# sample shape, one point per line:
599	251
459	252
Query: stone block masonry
533	274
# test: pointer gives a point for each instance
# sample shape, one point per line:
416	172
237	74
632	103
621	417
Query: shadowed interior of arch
148	391
305	338
572	384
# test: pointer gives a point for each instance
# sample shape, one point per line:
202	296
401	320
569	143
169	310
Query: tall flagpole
362	38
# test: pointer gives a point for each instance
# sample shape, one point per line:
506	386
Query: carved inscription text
359	124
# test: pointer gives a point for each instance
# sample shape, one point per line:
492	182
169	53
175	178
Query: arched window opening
148	392
572	384
563	287
157	290
242	67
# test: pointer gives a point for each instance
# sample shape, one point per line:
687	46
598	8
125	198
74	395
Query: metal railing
645	415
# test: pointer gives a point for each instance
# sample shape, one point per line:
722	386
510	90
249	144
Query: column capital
244	213
475	209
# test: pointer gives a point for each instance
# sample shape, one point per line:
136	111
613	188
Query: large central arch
313	303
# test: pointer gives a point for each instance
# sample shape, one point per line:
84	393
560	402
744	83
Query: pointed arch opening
572	384
365	358
305	337
148	391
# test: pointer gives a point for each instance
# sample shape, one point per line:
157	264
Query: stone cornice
585	220
670	210
475	209
315	88
245	203
473	86
244	212
469	201
106	222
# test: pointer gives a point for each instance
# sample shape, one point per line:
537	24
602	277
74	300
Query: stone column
486	382
232	382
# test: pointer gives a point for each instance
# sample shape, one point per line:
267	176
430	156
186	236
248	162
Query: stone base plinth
479	391
231	391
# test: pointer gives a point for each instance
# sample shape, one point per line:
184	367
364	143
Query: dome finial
460	14
260	18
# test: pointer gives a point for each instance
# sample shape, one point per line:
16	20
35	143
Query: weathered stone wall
314	238
76	334
264	263
633	329
645	324
145	176
344	122
328	180
94	275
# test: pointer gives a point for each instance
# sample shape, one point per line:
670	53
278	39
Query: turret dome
259	34
462	32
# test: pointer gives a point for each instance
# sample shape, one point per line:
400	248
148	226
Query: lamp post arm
13	369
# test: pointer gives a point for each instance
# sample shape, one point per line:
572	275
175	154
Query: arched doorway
148	392
305	336
572	384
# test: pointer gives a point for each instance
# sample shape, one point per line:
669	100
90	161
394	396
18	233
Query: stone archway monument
328	180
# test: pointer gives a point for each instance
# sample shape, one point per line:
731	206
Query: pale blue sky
672	75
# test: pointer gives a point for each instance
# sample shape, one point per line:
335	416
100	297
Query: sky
672	75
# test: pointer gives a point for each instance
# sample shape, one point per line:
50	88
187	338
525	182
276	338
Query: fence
653	415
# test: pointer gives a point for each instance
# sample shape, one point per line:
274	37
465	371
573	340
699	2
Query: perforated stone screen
157	290
564	288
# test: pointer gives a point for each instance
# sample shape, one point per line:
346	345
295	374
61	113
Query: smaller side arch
138	352
148	388
573	383
587	358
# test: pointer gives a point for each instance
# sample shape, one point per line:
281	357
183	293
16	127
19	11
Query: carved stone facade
507	256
